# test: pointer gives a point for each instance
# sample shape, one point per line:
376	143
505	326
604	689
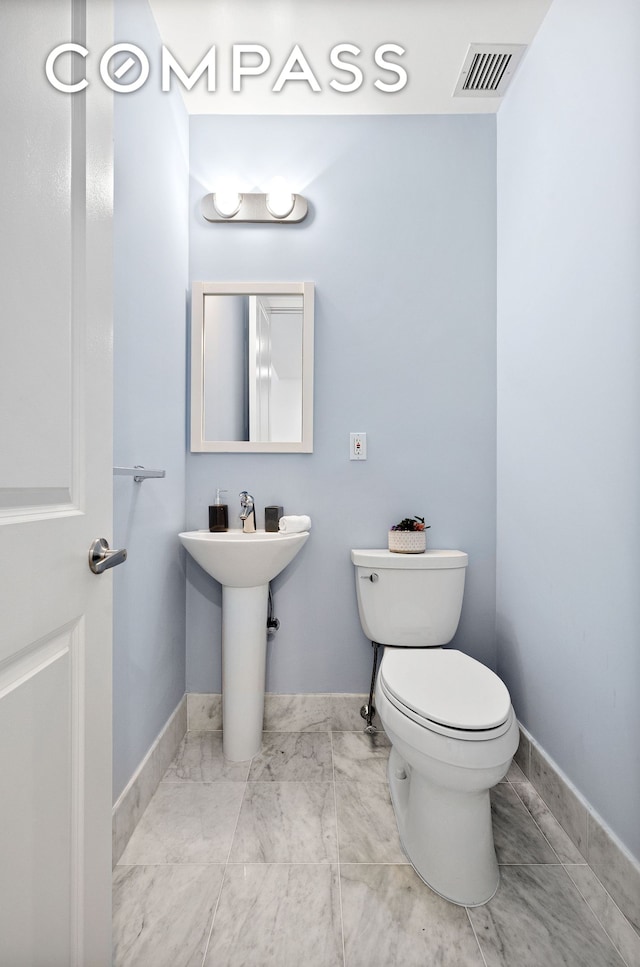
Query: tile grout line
622	914
593	912
226	865
335	806
538	827
213	916
515	784
476	936
611	940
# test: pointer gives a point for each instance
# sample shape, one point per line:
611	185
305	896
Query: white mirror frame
201	289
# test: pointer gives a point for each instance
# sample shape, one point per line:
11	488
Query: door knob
101	558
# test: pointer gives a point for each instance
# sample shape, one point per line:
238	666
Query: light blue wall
568	606
151	246
401	245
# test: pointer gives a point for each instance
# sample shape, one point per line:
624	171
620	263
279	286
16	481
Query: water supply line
272	623
368	711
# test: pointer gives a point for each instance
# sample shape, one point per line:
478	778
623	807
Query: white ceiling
434	33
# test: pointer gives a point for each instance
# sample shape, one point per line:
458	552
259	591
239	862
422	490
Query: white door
55	493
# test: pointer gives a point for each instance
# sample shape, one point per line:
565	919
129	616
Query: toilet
449	719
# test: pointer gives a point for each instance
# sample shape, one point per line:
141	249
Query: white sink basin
239	560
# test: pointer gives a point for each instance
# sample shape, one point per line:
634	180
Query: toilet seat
446	691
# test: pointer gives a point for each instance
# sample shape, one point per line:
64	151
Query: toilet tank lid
431	559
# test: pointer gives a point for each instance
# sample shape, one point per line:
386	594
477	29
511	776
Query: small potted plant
409	536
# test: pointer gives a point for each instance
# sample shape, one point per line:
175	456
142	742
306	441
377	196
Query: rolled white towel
294	524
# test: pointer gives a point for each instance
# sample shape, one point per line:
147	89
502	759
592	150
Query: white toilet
449	719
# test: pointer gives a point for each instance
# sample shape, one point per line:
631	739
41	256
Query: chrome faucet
247	513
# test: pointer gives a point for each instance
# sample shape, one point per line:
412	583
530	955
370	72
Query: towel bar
138	473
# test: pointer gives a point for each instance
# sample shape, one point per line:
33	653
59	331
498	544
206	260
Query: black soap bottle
218	514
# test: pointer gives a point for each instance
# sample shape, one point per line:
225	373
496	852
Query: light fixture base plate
254	209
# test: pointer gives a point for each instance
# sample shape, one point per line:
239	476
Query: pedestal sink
243	564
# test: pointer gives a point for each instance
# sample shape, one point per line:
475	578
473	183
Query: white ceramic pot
408	542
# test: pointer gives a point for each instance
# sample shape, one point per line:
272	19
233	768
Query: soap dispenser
218	514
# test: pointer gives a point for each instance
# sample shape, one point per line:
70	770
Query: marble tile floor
293	860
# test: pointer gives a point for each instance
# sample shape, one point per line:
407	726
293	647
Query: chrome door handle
101	558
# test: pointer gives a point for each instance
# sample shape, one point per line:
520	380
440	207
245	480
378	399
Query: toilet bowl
449	719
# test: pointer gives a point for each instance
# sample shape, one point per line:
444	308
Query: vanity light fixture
279	205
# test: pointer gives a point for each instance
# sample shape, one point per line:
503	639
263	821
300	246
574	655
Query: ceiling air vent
487	69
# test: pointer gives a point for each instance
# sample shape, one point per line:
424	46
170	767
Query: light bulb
280	200
227	201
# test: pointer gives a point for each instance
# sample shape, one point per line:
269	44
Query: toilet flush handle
373	577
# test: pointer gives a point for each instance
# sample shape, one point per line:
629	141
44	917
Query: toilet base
447	835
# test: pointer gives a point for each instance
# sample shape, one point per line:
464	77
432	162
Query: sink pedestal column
244	656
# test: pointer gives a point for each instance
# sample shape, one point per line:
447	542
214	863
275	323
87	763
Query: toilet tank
412	600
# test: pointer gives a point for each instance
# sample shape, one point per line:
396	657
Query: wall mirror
252	367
